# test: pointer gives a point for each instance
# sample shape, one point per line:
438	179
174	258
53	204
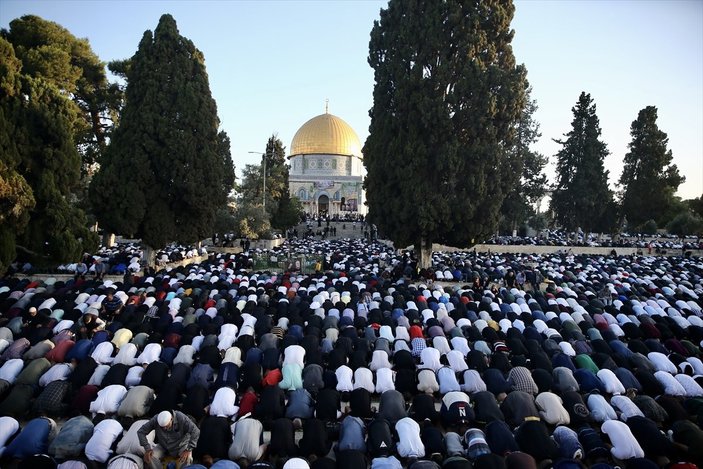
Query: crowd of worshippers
648	243
125	258
352	368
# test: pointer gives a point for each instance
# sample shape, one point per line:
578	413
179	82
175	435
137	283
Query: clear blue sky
272	64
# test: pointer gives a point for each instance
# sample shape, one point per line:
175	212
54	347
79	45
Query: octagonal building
326	167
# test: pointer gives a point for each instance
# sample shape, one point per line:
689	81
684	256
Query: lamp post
264	167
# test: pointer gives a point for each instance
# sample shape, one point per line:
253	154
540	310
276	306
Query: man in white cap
175	433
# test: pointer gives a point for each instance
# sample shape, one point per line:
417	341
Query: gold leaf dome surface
325	134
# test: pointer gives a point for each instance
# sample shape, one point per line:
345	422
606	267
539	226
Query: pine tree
167	169
581	197
648	179
447	98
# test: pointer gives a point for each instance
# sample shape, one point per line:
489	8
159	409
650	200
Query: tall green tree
167	169
447	99
518	205
284	210
16	196
50	51
581	198
685	224
276	171
695	205
648	179
40	128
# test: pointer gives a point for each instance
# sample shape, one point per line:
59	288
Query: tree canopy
167	169
581	197
648	179
46	74
447	97
50	51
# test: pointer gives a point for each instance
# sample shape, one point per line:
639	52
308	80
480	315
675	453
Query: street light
264	155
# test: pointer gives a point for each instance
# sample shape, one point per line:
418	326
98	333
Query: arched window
336	195
302	195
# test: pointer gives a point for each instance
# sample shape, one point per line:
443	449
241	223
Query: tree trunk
424	253
149	256
108	239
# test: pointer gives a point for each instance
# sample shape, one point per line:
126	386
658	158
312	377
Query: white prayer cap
164	418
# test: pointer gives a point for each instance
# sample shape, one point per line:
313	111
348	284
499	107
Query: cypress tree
648	179
167	169
446	100
581	197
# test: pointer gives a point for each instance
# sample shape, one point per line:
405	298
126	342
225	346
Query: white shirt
460	344
228	329
551	409
344	378
384	380
661	362
130	441
121	337
226	342
600	409
197	342
473	382
401	333
447	380
379	360
127	355
98	375
232	355
386	332
427	381
11	369
409	443
697	365
671	386
8	427
441	344
625	446
456	361
103	353
185	355
455	396
245	440
58	372
390	462
430	359
294	355
611	382
223	403
626	407
108	399
692	388
363	378
567	348
104	435
150	354
134	376
63	324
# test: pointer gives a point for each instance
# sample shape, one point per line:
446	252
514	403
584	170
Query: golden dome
325	134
